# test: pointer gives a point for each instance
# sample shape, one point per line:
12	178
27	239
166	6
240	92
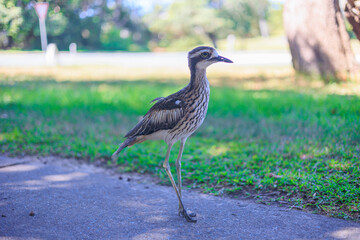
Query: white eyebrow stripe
213	53
199	52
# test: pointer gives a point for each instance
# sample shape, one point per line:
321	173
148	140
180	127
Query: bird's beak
223	59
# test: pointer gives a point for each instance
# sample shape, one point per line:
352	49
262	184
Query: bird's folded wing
163	115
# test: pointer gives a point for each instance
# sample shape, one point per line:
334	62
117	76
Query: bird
175	117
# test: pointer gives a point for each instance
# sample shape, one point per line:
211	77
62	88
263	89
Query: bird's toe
192	214
188	217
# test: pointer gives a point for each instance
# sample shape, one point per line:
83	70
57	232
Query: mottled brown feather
163	115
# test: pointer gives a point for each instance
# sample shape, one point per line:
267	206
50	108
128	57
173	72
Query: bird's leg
167	169
178	172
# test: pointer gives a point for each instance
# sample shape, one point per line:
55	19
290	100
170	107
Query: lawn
268	138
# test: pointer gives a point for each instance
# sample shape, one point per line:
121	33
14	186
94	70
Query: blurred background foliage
93	25
126	26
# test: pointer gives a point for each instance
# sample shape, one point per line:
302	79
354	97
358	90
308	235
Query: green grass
302	147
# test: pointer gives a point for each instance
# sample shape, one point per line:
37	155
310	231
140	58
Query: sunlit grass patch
301	145
234	76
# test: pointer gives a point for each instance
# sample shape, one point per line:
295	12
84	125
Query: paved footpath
72	200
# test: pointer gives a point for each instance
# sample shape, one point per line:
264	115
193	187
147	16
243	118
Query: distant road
125	59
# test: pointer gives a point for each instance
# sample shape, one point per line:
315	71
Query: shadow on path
78	201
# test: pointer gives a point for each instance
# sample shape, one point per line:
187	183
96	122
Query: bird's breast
196	111
198	107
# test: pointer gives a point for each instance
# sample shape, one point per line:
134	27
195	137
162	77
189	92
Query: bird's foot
191	214
189	217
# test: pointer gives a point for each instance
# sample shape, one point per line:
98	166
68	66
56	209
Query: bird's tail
126	143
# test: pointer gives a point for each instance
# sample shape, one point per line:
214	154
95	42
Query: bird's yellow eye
205	55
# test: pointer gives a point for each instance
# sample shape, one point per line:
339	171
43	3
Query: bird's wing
164	114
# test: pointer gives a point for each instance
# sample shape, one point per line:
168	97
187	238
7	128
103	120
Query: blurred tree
318	40
117	25
92	24
187	23
248	17
10	22
352	13
275	19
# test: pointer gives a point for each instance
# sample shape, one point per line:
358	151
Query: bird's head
202	57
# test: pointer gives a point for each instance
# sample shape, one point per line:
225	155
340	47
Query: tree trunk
319	43
352	13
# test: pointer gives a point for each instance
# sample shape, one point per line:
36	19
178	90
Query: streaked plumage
178	115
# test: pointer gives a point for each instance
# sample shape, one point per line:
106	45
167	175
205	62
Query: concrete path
69	200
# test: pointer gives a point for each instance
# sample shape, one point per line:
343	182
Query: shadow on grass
310	139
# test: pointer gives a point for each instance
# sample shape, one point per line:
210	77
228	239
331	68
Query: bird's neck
198	79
